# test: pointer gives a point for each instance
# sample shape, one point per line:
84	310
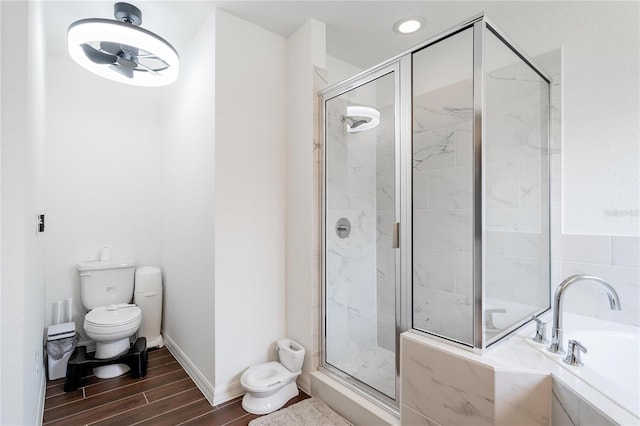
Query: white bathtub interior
611	363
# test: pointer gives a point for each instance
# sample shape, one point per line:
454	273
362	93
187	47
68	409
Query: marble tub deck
511	383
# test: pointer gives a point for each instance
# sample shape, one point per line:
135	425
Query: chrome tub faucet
556	330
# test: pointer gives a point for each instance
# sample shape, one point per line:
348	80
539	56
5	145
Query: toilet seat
103	316
263	377
105	322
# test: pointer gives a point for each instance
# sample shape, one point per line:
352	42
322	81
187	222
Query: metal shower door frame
394	68
401	66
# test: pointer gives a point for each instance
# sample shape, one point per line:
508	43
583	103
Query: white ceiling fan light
121	51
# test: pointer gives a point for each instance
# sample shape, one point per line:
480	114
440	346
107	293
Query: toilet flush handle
120	306
85	274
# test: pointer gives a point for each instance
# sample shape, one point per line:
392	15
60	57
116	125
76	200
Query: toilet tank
106	282
291	354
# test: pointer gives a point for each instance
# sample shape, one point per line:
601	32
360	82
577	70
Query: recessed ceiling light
408	25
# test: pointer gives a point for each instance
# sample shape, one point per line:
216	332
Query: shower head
354	122
360	118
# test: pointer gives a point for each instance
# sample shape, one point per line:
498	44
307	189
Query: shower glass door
361	210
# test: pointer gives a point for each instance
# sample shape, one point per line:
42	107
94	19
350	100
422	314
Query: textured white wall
22	260
187	200
250	143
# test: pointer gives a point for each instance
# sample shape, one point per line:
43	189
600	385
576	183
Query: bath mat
310	412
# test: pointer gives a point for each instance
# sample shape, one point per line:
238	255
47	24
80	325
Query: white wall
187	203
132	168
22	261
250	143
601	85
339	70
305	67
103	175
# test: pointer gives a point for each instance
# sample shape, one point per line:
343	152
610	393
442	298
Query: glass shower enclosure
435	203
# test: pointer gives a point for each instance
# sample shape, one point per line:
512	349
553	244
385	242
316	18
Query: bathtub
611	364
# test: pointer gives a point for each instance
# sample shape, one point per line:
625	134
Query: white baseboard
203	384
43	394
227	393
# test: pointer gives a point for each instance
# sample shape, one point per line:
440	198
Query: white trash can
61	341
148	297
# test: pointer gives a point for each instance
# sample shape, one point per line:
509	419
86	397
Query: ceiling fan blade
127	72
127	63
97	56
152	71
110	47
130	50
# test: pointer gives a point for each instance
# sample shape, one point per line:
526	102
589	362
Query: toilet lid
266	375
104	316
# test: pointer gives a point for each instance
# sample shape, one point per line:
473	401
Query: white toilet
106	288
270	385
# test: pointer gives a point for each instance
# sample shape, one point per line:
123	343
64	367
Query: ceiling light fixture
408	25
122	51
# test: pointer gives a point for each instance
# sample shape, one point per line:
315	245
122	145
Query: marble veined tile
410	417
443	229
450	315
522	398
433	268
451	188
568	409
445	388
434	149
374	366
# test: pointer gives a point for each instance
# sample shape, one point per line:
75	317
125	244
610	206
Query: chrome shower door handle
395	235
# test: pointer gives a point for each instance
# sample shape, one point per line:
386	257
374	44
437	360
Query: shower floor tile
374	366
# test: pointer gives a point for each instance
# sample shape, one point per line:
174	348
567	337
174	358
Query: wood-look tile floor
165	396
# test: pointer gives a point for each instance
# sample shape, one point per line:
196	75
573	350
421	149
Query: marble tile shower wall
442	210
443	199
516	246
350	262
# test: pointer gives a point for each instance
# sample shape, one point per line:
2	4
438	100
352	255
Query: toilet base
82	363
267	402
110	371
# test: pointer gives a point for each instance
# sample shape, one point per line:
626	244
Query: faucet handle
488	321
541	330
573	353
